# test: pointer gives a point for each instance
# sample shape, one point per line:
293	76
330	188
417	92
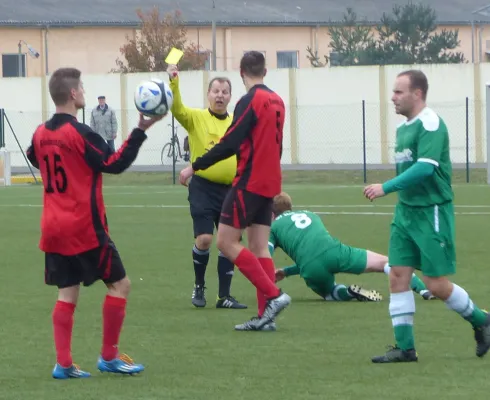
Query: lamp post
213	28
33	53
484	11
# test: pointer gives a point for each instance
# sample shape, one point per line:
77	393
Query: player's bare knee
120	288
258	237
258	249
400	278
69	294
203	242
441	287
223	243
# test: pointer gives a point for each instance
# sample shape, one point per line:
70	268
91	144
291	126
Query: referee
208	189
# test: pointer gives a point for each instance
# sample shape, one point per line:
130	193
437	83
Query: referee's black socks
200	258
225	274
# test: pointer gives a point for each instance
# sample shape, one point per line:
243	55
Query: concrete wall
324	123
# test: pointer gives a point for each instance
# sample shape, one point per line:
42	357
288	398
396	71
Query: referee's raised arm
208	188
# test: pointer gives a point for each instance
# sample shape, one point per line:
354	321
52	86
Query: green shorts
423	238
319	273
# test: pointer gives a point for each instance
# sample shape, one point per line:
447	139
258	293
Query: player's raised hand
145	123
280	275
185	174
374	191
172	71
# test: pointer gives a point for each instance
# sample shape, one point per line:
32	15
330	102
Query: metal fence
357	136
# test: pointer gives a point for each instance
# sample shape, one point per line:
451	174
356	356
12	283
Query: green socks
416	284
339	293
460	301
402	310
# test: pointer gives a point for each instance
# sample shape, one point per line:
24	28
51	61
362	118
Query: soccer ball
153	97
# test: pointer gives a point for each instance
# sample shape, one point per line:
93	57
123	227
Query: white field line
163	206
291	186
38	194
389	214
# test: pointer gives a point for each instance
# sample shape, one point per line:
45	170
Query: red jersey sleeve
31	155
244	120
100	157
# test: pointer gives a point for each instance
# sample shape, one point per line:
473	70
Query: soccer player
422	230
318	257
255	135
74	231
208	188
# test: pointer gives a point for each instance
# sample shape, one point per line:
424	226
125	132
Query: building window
287	59
10	65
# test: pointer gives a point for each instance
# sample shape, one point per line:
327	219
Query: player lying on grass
319	256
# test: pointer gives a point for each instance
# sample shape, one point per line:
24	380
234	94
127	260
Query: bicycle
167	150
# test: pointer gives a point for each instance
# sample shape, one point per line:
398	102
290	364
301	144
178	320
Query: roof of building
226	12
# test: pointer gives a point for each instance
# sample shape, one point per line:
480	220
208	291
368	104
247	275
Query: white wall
328	109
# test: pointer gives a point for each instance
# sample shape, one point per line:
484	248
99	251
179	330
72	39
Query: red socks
113	311
250	266
268	266
63	328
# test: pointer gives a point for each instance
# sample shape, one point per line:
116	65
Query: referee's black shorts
206	199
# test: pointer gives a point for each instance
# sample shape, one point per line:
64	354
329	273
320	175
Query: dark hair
418	80
219	79
61	84
253	64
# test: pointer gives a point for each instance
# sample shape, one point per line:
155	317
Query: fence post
487	117
364	140
467	142
174	139
2	128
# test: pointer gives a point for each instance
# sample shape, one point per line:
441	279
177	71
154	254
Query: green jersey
425	138
301	235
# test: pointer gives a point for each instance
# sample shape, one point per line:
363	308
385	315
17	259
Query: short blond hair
282	203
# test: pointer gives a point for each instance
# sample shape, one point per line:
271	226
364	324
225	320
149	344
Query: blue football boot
123	364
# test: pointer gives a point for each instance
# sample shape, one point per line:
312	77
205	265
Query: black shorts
242	209
206	199
102	263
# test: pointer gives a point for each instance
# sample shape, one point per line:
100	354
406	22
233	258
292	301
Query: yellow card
174	56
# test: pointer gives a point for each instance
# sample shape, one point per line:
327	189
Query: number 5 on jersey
56	172
301	221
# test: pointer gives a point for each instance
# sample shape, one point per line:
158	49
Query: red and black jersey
255	136
71	158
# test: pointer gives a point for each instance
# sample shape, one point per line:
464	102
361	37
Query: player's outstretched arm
244	119
412	176
101	158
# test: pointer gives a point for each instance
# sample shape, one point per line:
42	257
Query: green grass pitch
321	350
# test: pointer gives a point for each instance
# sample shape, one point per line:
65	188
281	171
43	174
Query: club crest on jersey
211	145
403	156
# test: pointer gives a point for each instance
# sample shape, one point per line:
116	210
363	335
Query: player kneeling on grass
74	232
319	256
